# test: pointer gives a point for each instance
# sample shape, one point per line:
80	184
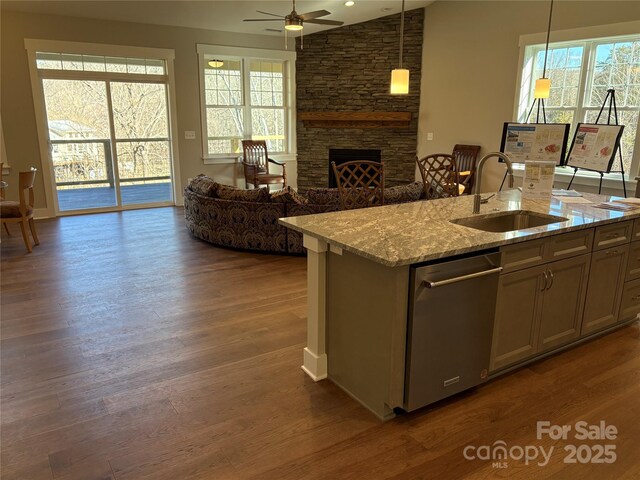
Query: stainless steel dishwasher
451	310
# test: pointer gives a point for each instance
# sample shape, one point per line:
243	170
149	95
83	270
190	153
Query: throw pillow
204	185
226	192
323	196
288	195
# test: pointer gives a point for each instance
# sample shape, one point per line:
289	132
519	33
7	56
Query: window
244	96
581	72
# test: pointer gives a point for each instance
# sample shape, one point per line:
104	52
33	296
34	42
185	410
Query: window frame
589	38
246	56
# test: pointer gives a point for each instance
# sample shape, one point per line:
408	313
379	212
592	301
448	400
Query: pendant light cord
546	48
402	32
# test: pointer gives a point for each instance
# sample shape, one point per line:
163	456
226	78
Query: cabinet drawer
636	229
522	255
630	306
612	235
569	245
633	262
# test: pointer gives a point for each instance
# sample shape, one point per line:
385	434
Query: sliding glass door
109	132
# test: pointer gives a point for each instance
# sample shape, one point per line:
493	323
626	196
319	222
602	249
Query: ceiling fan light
293	23
349	3
542	88
215	63
399	81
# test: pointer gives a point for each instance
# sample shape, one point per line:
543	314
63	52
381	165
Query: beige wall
470	65
17	110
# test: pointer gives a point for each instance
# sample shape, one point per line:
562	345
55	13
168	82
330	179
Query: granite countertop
407	233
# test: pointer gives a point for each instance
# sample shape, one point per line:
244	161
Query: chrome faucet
477	200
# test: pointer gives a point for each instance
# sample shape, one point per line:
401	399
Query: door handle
461	278
551	280
546	280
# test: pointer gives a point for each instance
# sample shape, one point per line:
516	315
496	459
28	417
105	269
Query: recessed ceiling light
349	3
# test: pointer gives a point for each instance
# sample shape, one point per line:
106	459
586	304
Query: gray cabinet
604	293
517	310
538	309
563	302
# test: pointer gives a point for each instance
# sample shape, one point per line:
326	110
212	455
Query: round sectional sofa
227	216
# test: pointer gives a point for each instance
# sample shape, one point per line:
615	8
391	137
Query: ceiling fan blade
316	14
267	13
325	22
262	20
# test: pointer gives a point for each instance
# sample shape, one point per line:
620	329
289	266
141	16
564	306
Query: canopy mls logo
499	453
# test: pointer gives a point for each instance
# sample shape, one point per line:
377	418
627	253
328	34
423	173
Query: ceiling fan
295	21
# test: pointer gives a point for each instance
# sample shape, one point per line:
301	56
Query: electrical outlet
189	135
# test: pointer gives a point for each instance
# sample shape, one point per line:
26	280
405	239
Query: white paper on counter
538	179
573	200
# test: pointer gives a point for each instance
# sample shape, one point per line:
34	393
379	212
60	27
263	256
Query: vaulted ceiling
219	15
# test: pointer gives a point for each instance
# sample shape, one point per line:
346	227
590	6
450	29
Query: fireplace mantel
355	119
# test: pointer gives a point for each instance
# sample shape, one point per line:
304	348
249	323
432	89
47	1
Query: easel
612	108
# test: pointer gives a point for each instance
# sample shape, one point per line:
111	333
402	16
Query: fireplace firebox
343	155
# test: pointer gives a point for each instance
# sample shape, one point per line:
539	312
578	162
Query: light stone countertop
396	235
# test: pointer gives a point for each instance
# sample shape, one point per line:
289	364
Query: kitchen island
558	285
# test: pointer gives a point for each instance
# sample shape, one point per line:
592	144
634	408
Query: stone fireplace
347	71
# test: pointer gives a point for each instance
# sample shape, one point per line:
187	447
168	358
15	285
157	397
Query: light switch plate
429	135
189	135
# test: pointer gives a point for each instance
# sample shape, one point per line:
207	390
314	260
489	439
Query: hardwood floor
131	350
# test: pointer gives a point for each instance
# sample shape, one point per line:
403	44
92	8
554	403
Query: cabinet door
605	288
563	302
515	328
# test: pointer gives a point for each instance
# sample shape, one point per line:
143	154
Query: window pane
225	82
93	63
266	84
225	146
71	62
224	122
139	110
268	124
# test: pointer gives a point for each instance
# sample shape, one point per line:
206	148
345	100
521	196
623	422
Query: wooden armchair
440	175
360	183
466	158
21	212
256	165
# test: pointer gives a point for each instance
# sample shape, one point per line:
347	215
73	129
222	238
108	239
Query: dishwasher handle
461	278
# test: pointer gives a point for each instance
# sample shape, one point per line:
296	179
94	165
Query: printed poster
595	146
523	142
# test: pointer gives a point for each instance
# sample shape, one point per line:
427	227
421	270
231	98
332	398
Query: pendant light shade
400	76
542	89
215	63
399	81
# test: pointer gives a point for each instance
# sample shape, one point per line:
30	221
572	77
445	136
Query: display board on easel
594	147
524	142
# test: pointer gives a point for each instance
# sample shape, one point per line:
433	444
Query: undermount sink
508	221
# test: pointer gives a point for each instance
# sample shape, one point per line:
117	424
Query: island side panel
314	355
366	330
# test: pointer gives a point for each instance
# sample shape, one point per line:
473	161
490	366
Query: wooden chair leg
6	227
25	237
32	226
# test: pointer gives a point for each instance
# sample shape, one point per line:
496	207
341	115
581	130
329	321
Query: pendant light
543	85
400	76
